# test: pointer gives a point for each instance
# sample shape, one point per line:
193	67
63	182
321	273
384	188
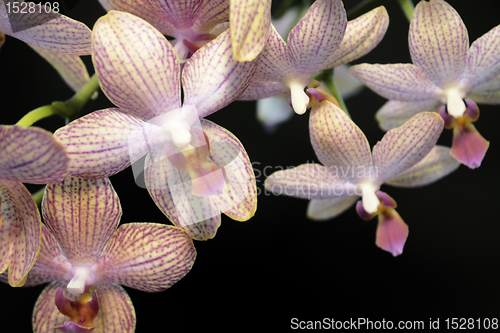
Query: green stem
326	77
38	195
407	7
362	7
33	116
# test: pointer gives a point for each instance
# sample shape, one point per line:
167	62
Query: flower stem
329	81
38	114
407	7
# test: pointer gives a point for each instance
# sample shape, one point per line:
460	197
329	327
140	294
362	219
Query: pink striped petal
402	82
249	24
208	14
31	155
337	141
81	214
317	36
469	146
137	67
105	142
116	311
392	232
487	92
436	165
146	256
438	41
403	147
46	316
20	231
361	36
212	78
395	113
259	90
325	209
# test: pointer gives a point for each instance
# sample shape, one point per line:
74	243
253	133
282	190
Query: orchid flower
194	169
444	71
82	250
50	40
29	155
192	23
406	156
322	39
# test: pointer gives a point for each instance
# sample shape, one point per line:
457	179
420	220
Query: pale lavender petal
403	147
106	5
338	142
402	82
137	67
212	78
249	25
395	113
259	90
317	36
31	155
438	41
392	232
81	215
105	142
361	36
116	311
46	316
487	93
436	165
146	256
20	231
208	14
325	209
469	146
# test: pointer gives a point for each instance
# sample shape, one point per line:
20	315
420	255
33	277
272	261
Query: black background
279	265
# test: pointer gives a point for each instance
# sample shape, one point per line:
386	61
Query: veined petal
228	153
436	165
146	256
487	92
338	142
249	24
137	67
116	311
309	181
317	36
392	232
46	316
361	36
402	82
403	147
260	90
395	113
69	66
105	142
81	215
20	231
212	78
31	155
325	209
209	13
438	41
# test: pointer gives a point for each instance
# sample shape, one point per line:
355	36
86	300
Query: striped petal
20	231
487	92
361	36
438	41
338	142
259	90
249	25
46	316
317	36
325	209
105	142
403	147
212	78
116	311
31	155
436	165
81	214
402	82
137	67
395	113
146	256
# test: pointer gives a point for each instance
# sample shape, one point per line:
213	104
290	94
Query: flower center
82	278
300	100
369	198
454	101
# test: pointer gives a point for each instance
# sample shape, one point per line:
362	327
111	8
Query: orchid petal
436	165
228	153
347	85
487	92
308	181
317	35
116	311
249	25
403	82
20	231
324	209
105	142
106	5
212	78
361	36
469	147
392	232
438	41
273	111
209	14
337	141
31	155
137	67
46	316
395	113
403	147
259	90
81	214
146	256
